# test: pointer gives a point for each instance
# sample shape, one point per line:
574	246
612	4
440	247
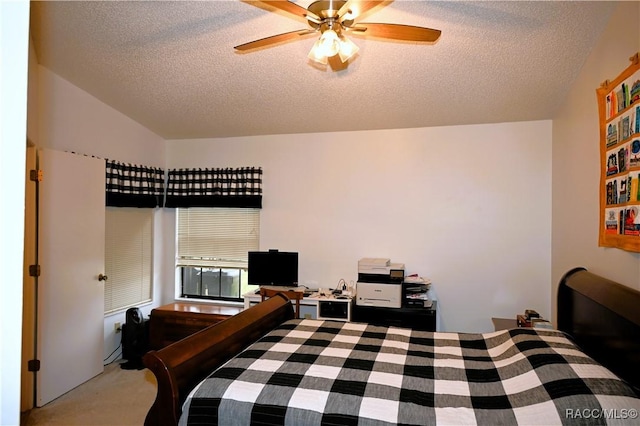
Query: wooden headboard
603	318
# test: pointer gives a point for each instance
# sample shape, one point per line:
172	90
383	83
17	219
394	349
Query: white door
71	256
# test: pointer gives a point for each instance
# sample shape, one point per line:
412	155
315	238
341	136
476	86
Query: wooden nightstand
504	323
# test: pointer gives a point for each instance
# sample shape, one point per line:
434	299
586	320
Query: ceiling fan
334	18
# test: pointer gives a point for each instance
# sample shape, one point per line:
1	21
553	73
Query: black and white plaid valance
131	185
229	187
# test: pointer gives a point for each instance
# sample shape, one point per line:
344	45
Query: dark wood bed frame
180	366
603	318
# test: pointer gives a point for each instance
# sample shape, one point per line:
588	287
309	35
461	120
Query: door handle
102	277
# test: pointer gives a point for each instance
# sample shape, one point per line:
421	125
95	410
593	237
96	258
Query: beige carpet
116	397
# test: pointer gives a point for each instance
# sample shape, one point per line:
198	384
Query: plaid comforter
309	372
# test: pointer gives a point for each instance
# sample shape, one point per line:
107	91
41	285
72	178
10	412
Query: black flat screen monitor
277	268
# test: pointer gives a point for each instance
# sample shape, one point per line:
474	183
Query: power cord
111	354
342	284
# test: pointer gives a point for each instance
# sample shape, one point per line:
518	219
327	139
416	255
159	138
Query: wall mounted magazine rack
619	114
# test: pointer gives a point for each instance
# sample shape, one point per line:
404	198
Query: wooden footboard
179	367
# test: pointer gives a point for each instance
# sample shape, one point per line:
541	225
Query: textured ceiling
171	66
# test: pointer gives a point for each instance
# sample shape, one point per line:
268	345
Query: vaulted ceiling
171	65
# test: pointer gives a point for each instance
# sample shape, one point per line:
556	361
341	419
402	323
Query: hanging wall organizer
619	110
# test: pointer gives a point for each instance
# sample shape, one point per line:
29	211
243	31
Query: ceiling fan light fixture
329	43
347	49
315	54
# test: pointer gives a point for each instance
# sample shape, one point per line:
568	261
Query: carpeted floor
116	397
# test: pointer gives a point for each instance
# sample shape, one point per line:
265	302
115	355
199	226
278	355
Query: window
212	250
128	257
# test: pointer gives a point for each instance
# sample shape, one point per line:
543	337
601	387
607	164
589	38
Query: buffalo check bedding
310	372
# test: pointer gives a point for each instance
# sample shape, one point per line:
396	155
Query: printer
379	283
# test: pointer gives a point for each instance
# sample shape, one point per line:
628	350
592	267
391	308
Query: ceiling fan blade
358	7
268	41
290	7
397	32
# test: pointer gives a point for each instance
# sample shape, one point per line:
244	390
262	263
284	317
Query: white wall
576	160
14	38
467	206
69	119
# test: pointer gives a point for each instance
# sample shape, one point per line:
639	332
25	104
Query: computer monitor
273	268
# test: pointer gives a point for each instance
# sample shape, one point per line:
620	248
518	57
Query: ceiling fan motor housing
327	11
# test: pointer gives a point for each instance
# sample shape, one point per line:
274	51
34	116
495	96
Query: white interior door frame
27	387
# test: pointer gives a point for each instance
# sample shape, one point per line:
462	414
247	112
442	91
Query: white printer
379	283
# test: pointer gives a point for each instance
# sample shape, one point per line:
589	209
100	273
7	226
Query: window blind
216	237
128	257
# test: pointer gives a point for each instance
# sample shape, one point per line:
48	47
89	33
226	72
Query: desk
416	318
309	306
175	321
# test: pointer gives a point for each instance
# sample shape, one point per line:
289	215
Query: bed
262	366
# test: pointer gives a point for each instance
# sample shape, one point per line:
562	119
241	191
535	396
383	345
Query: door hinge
35	175
34	270
33	365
